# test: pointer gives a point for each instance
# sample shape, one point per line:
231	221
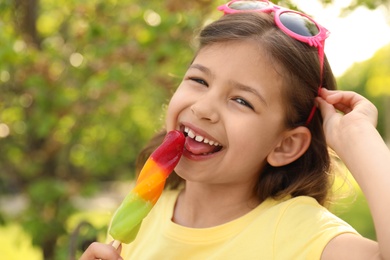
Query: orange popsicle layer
151	186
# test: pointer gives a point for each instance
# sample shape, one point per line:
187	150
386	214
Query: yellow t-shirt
294	228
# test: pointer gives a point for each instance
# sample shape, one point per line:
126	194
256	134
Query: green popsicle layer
128	218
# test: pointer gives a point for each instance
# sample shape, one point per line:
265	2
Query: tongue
198	147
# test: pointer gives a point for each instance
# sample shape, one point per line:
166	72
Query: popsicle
149	186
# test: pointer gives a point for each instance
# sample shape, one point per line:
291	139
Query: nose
205	109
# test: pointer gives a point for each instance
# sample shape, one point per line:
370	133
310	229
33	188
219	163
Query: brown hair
298	64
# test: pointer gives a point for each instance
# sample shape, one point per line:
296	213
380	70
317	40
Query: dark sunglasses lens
299	24
248	5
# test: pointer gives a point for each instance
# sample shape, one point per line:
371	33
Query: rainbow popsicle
149	186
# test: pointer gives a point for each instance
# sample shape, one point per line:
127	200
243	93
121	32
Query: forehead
250	53
244	60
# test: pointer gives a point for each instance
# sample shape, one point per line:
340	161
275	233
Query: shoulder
305	225
304	207
306	213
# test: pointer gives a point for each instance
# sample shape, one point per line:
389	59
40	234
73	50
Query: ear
294	143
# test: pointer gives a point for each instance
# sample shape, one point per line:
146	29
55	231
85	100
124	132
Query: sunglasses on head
297	25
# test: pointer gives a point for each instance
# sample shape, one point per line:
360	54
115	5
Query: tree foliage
370	4
371	78
83	86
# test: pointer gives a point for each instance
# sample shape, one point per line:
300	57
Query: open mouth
200	145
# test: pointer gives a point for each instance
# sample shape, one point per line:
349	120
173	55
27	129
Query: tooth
199	138
191	134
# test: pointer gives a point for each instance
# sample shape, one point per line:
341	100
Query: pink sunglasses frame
317	40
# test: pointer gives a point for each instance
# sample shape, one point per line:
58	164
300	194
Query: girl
256	169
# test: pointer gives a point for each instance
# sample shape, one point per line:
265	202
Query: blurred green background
83	85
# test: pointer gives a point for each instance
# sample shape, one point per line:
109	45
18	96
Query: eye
200	81
243	102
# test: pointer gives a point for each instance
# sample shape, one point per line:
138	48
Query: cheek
174	107
259	139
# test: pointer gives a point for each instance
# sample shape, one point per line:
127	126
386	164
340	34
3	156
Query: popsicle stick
116	244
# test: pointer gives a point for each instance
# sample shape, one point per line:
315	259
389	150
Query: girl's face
230	105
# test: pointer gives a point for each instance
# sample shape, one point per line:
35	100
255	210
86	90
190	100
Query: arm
101	251
353	136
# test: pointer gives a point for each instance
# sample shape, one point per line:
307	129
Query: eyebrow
249	89
232	82
201	68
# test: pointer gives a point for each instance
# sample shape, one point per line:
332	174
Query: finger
347	98
342	108
325	93
100	251
325	108
348	101
345	101
119	248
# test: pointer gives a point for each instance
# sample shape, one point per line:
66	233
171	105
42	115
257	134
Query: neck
202	206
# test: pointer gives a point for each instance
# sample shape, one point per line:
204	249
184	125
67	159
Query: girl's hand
101	251
356	112
353	136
